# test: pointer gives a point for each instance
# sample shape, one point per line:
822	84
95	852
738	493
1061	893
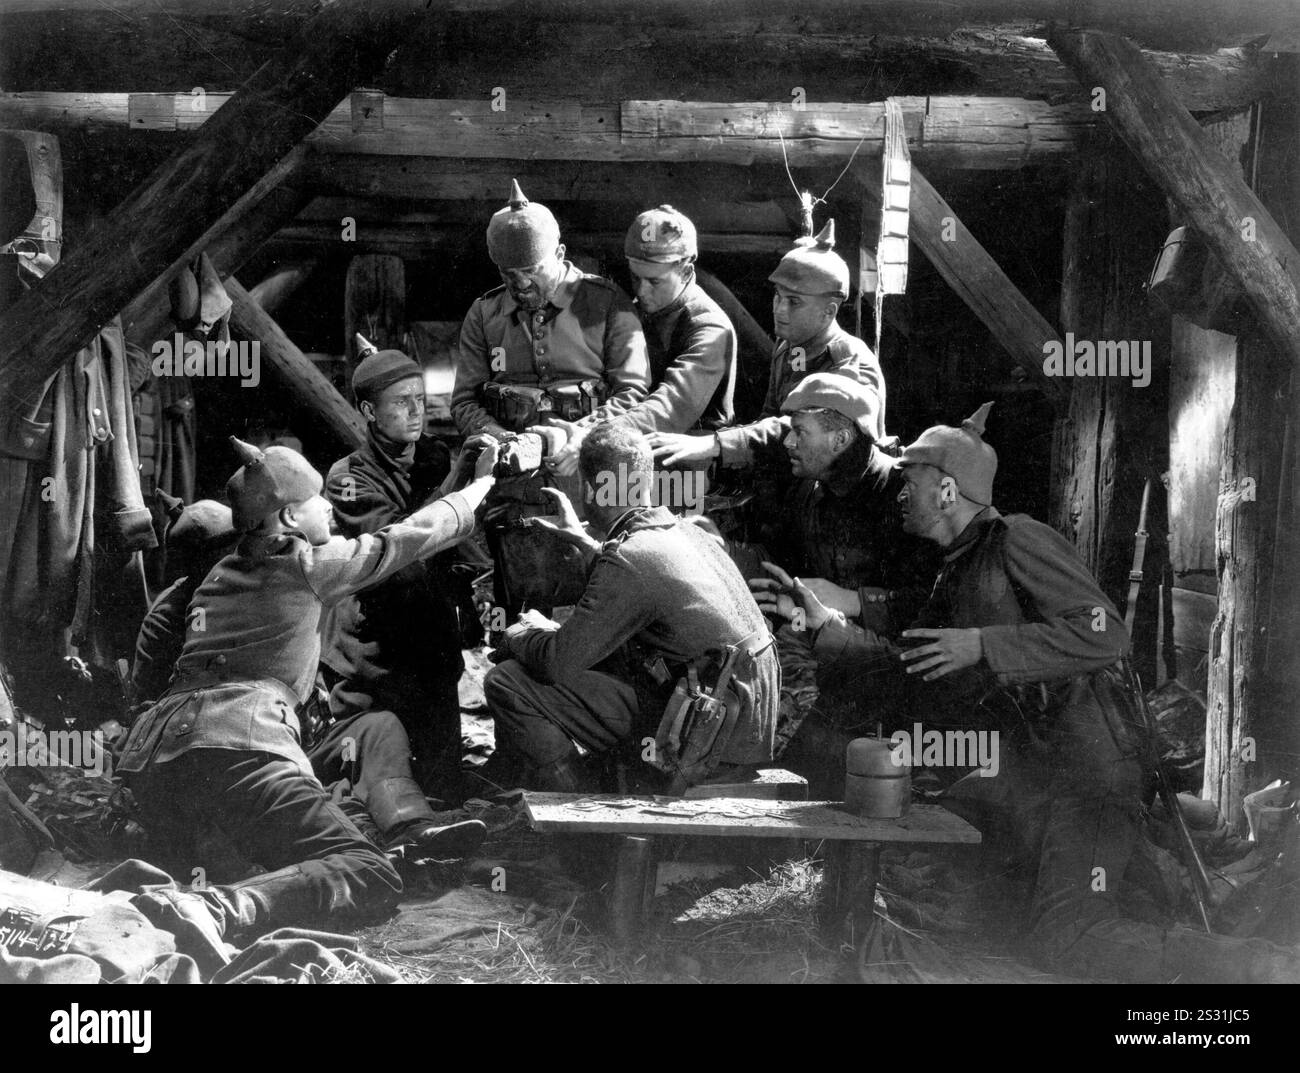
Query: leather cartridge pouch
699	719
516	406
574	401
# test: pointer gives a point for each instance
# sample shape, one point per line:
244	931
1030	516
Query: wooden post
633	888
342	46
374	303
969	270
306	385
1111	435
1214	198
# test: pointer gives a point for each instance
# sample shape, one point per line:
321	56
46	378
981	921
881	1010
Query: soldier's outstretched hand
675	448
564	523
564	463
789	598
487	457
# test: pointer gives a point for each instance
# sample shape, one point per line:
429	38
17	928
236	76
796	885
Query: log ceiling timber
279	285
711	215
1208	189
955	132
645	183
1171	24
416	241
265	207
341	47
1253	685
301	381
969	269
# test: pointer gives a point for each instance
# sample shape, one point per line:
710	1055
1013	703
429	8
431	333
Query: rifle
1200	878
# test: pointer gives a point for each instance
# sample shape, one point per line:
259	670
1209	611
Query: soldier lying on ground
1016	617
222	746
662	603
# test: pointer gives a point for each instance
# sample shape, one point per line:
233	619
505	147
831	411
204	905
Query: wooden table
852	852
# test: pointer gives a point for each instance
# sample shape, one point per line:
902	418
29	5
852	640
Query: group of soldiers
876	583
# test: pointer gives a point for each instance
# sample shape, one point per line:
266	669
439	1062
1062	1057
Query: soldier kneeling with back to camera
666	642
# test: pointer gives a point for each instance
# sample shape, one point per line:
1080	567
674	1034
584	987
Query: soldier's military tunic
587	331
692	347
396	646
1043	620
659	589
846	528
834	352
223	744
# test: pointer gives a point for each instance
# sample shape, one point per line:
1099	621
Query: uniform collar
860	464
675	306
818	344
382	452
640	518
968	537
561	299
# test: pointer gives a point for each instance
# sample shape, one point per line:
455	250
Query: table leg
633	887
849	889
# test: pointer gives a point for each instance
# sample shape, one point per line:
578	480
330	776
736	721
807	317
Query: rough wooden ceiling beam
143	237
966	132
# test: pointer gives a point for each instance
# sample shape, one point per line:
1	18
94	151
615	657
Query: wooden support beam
1212	196
1111	435
281	283
709	211
1184	163
959	132
264	208
969	270
302	381
416	242
1159	24
340	47
645	182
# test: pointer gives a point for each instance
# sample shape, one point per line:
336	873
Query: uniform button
220	661
97	412
540	351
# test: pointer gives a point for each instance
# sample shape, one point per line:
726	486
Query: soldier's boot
402	813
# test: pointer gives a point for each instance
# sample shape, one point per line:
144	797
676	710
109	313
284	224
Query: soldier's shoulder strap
493	293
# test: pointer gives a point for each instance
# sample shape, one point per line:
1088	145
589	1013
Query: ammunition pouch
703	710
517	406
